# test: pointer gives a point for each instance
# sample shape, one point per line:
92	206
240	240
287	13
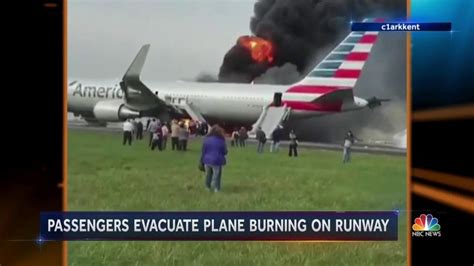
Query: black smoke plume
299	29
206	77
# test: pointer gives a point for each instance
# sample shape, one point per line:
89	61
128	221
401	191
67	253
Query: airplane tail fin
330	84
135	69
342	67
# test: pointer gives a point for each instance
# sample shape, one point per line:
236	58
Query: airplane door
182	100
277	99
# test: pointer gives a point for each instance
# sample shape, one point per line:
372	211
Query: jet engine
113	111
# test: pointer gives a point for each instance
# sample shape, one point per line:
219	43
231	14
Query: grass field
106	176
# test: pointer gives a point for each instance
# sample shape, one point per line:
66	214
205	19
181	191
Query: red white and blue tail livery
330	84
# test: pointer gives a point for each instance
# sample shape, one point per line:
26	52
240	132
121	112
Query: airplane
326	89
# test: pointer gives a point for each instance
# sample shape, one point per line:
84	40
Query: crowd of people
277	135
214	148
239	137
179	131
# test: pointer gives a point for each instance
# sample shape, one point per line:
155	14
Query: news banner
237	226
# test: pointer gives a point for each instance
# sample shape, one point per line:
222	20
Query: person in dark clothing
243	136
139	130
157	140
277	135
293	144
147	123
213	154
261	138
198	128
204	128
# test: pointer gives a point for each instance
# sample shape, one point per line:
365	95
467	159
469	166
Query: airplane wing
137	95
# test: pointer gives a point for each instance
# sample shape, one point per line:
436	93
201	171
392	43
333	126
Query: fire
260	49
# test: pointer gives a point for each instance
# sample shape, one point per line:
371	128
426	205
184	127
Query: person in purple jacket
214	150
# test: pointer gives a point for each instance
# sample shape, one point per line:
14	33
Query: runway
359	147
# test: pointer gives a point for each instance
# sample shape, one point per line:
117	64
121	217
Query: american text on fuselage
98	92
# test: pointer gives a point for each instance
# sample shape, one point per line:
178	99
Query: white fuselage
214	101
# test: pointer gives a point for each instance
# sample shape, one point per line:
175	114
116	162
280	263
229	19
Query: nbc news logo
426	226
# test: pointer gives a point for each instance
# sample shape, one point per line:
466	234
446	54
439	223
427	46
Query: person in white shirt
165	132
235	138
128	129
183	136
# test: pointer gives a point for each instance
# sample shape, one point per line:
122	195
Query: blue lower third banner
236	226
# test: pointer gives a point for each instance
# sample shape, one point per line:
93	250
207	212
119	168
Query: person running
261	138
293	144
127	132
213	153
277	135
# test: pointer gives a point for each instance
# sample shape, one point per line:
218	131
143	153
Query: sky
189	38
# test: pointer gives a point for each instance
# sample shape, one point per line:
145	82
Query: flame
260	49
